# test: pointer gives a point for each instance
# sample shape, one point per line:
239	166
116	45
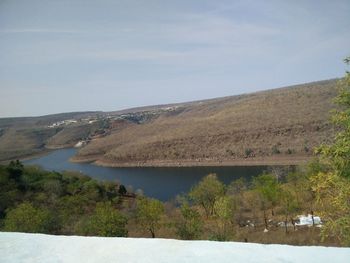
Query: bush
122	190
106	221
26	218
289	151
275	150
248	152
190	226
149	213
224	210
207	192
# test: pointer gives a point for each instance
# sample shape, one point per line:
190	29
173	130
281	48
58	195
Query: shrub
275	150
289	151
190	226
149	213
206	192
122	190
106	221
224	209
248	152
27	218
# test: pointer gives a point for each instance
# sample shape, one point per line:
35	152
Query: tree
92	190
236	191
26	218
337	155
149	213
332	195
9	193
207	192
289	205
70	209
107	222
332	186
298	185
267	187
122	190
15	170
190	225
223	210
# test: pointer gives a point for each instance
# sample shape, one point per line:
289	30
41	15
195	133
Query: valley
279	126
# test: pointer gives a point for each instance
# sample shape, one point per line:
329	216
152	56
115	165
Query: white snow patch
21	247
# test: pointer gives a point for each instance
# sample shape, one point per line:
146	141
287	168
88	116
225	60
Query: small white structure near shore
80	144
308	221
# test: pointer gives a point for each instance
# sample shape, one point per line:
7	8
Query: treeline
35	200
263	210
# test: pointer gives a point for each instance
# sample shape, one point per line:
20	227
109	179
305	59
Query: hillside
274	126
27	136
20	247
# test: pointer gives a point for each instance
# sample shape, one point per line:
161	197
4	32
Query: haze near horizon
63	56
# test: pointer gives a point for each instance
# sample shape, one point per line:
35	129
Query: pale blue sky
76	55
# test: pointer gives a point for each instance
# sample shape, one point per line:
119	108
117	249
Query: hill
27	136
275	126
20	247
279	126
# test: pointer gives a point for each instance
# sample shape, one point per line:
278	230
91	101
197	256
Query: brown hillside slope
275	126
28	136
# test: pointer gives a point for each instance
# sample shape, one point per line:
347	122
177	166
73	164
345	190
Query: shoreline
300	160
95	160
44	151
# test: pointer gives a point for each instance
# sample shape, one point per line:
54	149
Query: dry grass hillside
27	136
275	126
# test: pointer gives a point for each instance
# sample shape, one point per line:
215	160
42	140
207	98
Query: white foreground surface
20	247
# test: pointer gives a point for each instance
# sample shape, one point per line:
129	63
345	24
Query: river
163	183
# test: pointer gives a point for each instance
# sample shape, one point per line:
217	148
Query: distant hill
275	126
26	136
269	127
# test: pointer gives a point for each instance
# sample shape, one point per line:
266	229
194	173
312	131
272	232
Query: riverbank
43	152
163	183
101	161
262	161
27	157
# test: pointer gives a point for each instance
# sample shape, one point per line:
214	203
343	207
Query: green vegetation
189	226
268	190
224	209
106	221
332	185
34	200
263	210
207	192
149	214
26	218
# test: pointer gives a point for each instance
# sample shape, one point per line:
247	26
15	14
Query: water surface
163	183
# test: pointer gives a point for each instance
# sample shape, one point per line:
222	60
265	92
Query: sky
78	55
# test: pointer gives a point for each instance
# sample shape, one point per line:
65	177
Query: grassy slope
21	137
20	142
248	127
